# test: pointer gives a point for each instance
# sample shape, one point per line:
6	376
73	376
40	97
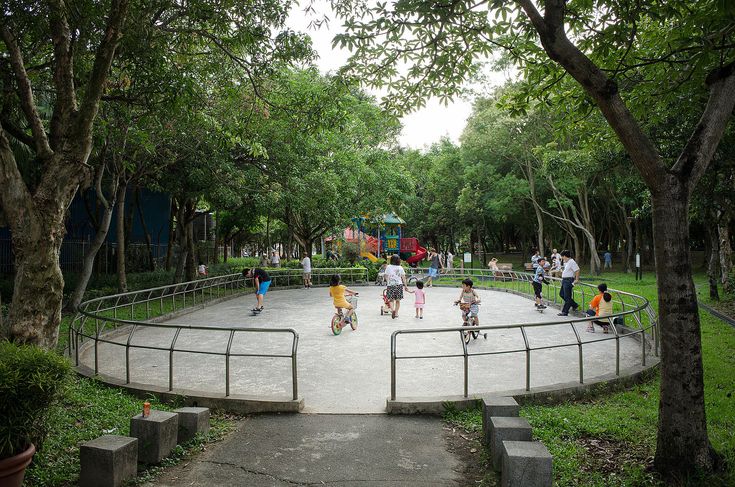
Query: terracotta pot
13	469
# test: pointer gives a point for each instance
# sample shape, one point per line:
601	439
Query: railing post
581	361
227	364
466	364
171	361
393	366
528	359
127	355
294	367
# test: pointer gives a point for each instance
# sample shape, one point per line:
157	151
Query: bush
30	379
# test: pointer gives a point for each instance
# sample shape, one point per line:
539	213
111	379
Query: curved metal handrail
97	318
518	282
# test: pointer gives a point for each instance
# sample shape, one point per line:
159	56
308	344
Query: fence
72	253
99	319
626	305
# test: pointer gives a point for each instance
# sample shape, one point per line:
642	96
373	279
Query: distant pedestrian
607	256
396	277
434	266
450	261
534	258
275	259
264	260
569	278
306	264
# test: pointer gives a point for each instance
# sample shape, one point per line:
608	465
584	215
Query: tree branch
701	146
25	93
66	101
595	82
102	63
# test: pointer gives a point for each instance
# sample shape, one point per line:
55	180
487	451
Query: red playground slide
420	255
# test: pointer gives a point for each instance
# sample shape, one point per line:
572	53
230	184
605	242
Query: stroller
385	307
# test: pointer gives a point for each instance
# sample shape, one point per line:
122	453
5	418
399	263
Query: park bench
527	266
505	266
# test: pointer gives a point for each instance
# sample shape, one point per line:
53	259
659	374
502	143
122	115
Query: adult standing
555	264
395	275
261	282
434	266
534	258
275	259
306	264
607	256
264	260
569	277
450	261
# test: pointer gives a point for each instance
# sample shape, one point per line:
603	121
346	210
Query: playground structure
383	236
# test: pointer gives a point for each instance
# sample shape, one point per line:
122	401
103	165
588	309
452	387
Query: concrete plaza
350	373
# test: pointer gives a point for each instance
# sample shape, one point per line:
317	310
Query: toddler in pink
420	299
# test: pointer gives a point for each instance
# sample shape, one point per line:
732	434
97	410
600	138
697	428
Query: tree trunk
723	232
682	431
171	235
122	278
38	284
88	266
713	260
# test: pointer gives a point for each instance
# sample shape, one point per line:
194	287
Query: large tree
54	69
626	56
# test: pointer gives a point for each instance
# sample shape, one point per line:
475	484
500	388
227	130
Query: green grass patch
610	440
89	409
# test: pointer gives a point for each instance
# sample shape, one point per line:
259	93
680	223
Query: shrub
30	380
351	252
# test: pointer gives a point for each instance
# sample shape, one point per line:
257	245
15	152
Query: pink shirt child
420	300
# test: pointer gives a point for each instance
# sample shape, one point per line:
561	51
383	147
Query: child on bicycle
338	292
420	296
468	301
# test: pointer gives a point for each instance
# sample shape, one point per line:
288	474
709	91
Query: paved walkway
343	450
350	373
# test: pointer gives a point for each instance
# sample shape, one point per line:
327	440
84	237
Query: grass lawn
610	440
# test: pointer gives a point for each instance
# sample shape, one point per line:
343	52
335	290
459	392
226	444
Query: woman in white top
395	275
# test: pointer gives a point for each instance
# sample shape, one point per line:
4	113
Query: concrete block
192	421
156	435
499	406
526	464
108	461
504	429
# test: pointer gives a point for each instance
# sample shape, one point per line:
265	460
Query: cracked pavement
317	449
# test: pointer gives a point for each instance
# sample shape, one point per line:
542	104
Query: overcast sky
420	128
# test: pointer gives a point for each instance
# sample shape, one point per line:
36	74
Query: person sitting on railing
600	305
261	282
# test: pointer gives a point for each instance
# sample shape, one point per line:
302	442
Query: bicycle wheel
353	323
336	327
466	334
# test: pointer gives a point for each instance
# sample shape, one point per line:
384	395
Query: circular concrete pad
350	373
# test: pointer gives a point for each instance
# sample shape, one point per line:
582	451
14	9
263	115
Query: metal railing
626	305
101	319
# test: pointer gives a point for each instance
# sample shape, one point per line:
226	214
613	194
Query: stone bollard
108	461
191	422
504	429
156	435
526	464
499	406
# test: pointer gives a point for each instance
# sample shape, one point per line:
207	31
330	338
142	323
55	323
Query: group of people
394	276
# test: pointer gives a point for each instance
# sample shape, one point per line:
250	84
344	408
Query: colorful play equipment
382	235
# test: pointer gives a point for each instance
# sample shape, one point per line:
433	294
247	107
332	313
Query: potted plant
30	379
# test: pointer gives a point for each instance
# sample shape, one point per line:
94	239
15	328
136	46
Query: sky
420	128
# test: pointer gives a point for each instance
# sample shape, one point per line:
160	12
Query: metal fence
73	251
635	309
127	313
